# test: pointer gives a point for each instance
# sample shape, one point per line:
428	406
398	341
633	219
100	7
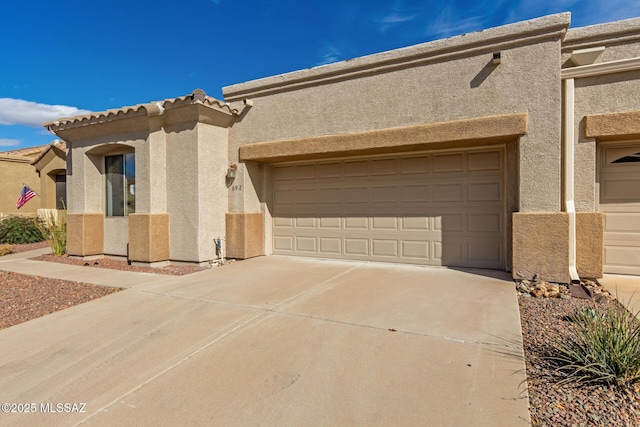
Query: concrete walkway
273	341
625	289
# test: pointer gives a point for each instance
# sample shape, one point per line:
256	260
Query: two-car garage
431	208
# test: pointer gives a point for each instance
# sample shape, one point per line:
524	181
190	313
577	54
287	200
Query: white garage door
620	202
443	208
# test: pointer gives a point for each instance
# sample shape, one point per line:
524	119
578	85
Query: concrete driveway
278	341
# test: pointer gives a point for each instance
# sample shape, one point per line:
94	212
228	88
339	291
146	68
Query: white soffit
586	56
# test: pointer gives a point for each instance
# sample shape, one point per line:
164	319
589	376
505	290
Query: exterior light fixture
231	172
496	58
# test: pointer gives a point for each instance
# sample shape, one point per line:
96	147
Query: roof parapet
496	39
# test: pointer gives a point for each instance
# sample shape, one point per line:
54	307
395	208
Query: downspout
569	166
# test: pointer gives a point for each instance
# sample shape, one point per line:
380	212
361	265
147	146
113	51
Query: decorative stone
537	292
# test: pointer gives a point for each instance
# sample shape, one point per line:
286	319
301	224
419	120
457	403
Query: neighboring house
51	166
15	171
472	151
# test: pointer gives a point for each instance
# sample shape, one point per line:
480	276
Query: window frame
125	204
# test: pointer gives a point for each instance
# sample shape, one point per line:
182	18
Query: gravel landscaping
544	322
116	264
24	297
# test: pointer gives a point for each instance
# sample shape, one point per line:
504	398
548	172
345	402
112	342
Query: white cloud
393	19
450	23
4	142
328	54
27	113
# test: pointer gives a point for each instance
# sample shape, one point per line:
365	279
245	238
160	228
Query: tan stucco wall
605	94
436	82
85	234
148	237
541	246
590	244
620	39
197	196
483	130
245	235
14	171
116	235
613	126
596	95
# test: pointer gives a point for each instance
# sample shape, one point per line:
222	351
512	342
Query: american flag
25	195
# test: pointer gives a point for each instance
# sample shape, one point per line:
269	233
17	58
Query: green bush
605	348
20	229
55	232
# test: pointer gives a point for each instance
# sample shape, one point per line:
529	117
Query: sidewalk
20	263
626	289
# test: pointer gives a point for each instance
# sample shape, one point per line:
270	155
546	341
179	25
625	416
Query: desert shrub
605	348
5	249
20	229
54	229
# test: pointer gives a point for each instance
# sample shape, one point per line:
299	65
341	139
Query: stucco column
149	225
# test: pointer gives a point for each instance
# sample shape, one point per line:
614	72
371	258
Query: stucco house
51	166
514	148
43	169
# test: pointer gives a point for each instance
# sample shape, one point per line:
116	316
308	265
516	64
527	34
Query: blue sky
66	57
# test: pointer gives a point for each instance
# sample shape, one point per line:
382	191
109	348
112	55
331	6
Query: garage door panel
384	248
330	245
420	193
283	243
306	244
622	256
620	203
627	222
620	190
305	222
356	168
305	172
328	222
384	194
448	192
414	165
418	250
484	222
356	246
485	191
357	222
384	223
485	161
448	162
356	195
485	251
384	167
394	209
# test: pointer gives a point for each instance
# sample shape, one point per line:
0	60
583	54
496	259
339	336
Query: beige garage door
620	202
443	208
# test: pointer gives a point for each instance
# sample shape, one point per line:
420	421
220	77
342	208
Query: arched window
628	159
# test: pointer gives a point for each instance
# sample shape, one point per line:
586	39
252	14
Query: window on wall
61	191
120	171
